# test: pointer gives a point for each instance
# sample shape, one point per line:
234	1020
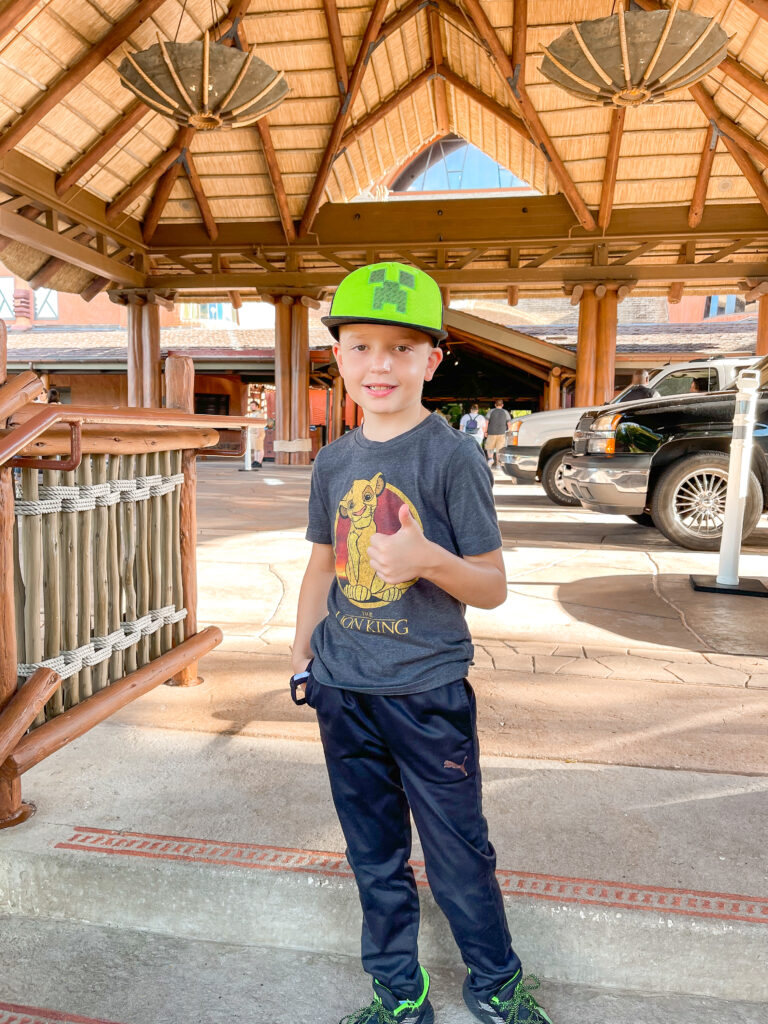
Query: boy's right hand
298	667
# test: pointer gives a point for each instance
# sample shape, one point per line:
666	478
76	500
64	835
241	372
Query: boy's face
384	367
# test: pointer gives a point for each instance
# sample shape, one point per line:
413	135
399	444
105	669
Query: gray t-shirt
498	420
413	636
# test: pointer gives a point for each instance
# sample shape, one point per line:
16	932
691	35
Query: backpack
472	425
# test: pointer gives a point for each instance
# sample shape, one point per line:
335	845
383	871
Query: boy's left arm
478	580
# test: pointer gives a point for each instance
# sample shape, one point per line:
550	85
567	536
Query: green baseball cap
388	293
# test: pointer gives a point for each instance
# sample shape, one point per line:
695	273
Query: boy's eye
403	348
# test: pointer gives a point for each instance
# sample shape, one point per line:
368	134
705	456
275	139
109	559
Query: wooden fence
98	587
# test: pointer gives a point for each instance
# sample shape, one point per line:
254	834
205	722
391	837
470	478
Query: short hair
474	405
700	384
499	401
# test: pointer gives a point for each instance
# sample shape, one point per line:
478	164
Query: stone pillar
605	362
300	384
761	348
586	349
282	377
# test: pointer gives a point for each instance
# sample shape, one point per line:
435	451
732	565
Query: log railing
98	586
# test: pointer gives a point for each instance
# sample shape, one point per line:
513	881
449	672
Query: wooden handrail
22	709
59	731
24	433
25	387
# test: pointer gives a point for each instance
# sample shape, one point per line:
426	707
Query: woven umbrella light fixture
634	57
204	84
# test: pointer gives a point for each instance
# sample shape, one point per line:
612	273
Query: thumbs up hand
399	557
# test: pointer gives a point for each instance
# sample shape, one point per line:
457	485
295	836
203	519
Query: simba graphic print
407	637
369	507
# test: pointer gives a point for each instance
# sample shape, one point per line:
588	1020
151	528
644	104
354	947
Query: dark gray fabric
498	420
406	639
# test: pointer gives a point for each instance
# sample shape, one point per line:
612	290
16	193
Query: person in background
700	385
53	396
474	424
498	418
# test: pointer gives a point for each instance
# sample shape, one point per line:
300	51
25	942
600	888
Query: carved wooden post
300	382
180	394
151	368
135	352
761	348
605	361
554	388
11	808
282	377
586	348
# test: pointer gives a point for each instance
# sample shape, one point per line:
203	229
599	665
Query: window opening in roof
452	164
46	304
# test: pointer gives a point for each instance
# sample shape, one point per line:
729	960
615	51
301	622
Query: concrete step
613	876
85	974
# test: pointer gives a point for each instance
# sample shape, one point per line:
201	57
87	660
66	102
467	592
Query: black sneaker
513	1003
386	1008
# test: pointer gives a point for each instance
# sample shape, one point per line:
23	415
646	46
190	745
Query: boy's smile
384	368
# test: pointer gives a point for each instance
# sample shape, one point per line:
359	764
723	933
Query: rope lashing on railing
86	497
68	663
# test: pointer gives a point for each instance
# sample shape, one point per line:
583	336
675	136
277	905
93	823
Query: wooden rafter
687	256
545	257
750	172
728	127
760	7
440	91
150	175
611	167
514	78
504	114
53	265
188	163
276	178
29	213
12	14
725	251
117	130
160	198
361	63
397	20
381	111
97	285
696	209
337	46
72	77
633	254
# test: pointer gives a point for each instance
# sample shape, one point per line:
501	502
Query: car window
683	382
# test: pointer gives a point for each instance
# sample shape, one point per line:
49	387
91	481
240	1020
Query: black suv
665	463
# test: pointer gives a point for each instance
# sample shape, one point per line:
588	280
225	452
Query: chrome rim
699	501
559	473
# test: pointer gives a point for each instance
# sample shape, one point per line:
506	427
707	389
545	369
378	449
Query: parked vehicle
537	444
664	462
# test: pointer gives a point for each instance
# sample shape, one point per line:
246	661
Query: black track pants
386	755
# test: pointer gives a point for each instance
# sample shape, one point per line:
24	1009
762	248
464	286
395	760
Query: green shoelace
522	998
376	1011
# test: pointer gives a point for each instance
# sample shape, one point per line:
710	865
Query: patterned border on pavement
581	891
12	1013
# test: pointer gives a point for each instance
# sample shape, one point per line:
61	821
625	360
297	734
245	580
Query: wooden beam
97	285
635	253
151	174
728	127
725	250
29	213
340	122
381	111
337	46
53	265
696	209
514	79
276	179
211	227
160	197
746	78
13	13
39	237
440	92
545	257
760	7
504	114
687	255
80	70
611	167
761	344
117	130
750	172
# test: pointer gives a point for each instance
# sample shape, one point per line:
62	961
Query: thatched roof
248	174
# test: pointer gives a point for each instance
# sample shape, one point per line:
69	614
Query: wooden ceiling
372	83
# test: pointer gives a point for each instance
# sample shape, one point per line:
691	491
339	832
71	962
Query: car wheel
552	480
688	504
644	519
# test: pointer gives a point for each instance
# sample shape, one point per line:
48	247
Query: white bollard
739	467
247	457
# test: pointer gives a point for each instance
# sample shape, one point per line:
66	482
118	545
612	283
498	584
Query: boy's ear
434	360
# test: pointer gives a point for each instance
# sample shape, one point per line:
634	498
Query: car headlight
513	431
601	438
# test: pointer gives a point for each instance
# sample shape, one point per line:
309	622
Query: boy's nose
382	362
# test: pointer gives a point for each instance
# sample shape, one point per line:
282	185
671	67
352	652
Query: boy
404	534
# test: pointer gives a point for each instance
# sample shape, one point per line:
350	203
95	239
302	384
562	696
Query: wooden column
180	394
605	361
282	375
586	349
761	348
300	381
151	366
7	606
337	409
554	388
135	353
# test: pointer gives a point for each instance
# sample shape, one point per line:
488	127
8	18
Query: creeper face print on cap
391	293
